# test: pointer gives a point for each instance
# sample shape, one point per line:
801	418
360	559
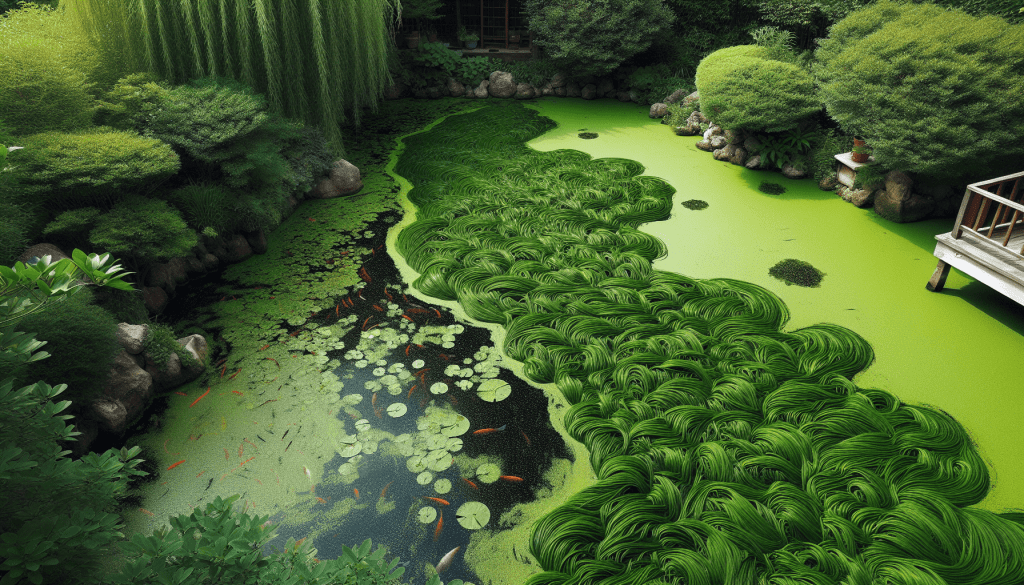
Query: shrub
161	342
96	166
826	144
595	37
435	55
678	114
536	72
797	272
653	83
143	230
205	205
927	88
476	69
126	306
82	334
740	87
71	228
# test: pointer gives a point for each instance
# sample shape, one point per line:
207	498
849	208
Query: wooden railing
1001	196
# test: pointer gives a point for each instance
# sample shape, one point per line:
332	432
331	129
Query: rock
131	337
559	80
455	87
160	276
195	344
154	298
257	241
111	415
434	92
344	179
753	162
704	145
210	262
396	91
237	250
605	87
675	96
590	79
589	91
194	265
692	124
739	156
622	96
724	153
860	197
175	373
898	203
547	91
419	94
634	96
470	93
734	136
751	143
89	431
572	89
481	90
292	204
691	99
547	86
524	91
718	141
828	183
560	91
177	269
948	207
713	130
790	172
658	110
200	249
129	385
40	250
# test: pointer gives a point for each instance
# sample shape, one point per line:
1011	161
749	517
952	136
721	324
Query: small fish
471	484
181	394
336	310
404	316
377	307
488	431
265	347
510	478
373	401
200	398
289	445
407	349
443	356
232	376
146	511
438	312
447	559
267	402
438	500
261	438
410	391
175	465
275	362
525	437
321	500
367	321
285	434
440	522
237	392
390	298
225	454
385	490
309	475
356	492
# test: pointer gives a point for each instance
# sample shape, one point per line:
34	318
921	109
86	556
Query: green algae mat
727	447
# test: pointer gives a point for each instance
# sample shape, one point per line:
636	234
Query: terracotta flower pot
860	157
859	142
412	40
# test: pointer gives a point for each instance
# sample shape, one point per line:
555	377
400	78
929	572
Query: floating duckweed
448	344
488	473
353	354
424	478
427	514
403	438
396	367
771	188
389	379
418	364
587	135
443	486
438	388
473	515
465	373
695	204
296	321
369	448
467	361
439	460
363	425
351	450
797	272
372	385
464	384
434	442
494	390
457	329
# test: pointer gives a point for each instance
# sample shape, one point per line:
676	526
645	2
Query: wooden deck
987	240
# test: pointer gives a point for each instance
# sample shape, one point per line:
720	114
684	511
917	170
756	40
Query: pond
352	406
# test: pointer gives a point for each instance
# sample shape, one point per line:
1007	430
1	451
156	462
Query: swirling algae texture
726	449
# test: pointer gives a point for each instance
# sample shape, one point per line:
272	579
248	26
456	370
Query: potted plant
412	39
514	37
468	37
431	34
861	152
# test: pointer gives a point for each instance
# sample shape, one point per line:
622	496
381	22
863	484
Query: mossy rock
695	204
587	135
797	272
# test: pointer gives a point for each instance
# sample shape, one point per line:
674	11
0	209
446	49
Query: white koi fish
447	559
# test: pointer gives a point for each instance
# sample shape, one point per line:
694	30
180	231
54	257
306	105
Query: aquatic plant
723	445
587	135
695	204
797	272
771	188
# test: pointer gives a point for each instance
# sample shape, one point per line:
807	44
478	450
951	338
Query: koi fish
265	347
471	484
416	310
267	402
289	445
232	376
510	478
365	275
525	437
438	500
440	522
367	321
373	401
181	394
175	465
224	369
444	357
390	298
385	490
275	362
237	392
336	310
447	559
377	307
489	431
226	454
321	500
309	475
407	349
146	511
285	434
410	391
356	492
200	398
438	313
404	316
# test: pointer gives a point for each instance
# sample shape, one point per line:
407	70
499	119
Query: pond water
347	399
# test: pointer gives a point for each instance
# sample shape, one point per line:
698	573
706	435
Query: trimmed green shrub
475	69
932	91
536	72
653	83
205	205
126	306
740	87
82	334
96	166
594	38
826	144
144	231
71	228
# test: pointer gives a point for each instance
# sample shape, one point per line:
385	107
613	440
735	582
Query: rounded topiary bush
143	230
82	341
933	91
740	87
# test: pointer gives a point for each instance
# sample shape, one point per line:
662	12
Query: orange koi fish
237	392
232	376
489	431
404	316
438	500
175	465
336	310
224	369
510	478
525	437
410	391
377	307
373	401
365	322
385	490
321	500
265	347
225	454
440	522
181	394
356	492
146	511
390	298
471	484
200	398
275	362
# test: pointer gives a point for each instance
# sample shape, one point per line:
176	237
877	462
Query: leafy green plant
821	158
771	188
798	272
779	43
677	114
71	228
654	82
475	69
870	176
536	72
776	149
144	230
437	56
161	342
467	36
861	149
205	206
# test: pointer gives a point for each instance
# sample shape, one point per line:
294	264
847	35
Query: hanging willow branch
314	60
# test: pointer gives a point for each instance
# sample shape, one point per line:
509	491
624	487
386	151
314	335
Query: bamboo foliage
314	60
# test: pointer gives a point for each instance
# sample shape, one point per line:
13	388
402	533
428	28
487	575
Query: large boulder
622	96
160	276
692	125
718	141
589	91
751	143
130	386
705	145
860	197
675	96
559	80
725	152
257	241
40	250
194	266
344	179
524	91
691	99
501	85
434	92
898	202
154	298
237	249
174	373
791	172
177	269
828	183
572	89
111	415
753	162
455	87
210	262
131	337
739	156
481	90
605	88
735	136
658	110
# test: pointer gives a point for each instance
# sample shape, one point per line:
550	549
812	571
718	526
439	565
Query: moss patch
695	204
771	188
797	272
588	135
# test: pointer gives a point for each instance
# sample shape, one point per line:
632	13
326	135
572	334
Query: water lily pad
428	514
417	464
494	390
379	372
403	438
352	399
351	450
454	444
418	364
363	425
439	460
369	448
397	409
436	442
488	473
455	427
424	478
438	388
473	515
443	486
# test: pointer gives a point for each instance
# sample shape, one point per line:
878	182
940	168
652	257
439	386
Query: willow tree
314	60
